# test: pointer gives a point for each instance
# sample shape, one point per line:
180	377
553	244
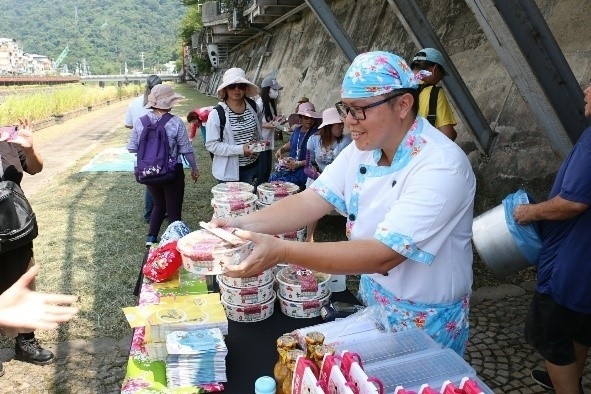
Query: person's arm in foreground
26	309
294	212
557	208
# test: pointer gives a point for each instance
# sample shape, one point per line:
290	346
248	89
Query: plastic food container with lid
222	189
299	235
300	284
234	204
262	278
270	192
303	309
205	254
249	313
247	295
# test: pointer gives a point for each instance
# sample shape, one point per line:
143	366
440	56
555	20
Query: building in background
14	61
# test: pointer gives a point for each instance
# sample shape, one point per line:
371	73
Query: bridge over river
127	78
21	80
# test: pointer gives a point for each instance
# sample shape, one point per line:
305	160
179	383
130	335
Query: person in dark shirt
19	155
558	323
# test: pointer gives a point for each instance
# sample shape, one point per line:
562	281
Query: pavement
496	348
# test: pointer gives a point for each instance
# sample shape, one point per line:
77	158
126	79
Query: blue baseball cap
430	55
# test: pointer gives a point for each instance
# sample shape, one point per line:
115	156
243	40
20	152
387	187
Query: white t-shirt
135	110
421	206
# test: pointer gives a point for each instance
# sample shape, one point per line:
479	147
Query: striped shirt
244	128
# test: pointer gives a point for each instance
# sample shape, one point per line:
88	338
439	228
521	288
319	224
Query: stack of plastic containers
248	299
271	192
412	360
244	299
233	199
302	293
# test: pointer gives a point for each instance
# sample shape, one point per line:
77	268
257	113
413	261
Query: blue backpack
154	163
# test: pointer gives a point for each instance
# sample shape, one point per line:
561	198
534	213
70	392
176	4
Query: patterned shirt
244	127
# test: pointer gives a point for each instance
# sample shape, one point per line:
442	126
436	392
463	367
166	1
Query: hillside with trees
104	34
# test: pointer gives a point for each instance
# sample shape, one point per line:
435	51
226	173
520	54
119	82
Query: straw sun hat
163	97
237	75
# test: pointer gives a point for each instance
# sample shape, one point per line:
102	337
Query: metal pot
495	245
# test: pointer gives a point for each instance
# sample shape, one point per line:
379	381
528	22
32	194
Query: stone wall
309	63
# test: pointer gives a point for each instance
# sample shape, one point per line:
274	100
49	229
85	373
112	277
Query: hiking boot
27	349
543	379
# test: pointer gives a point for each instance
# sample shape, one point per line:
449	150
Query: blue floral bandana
377	73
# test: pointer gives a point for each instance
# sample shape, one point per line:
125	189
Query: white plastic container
303	309
262	278
211	259
222	189
299	235
233	204
337	283
293	287
242	296
270	192
249	313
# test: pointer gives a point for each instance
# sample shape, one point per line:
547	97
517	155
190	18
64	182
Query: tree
190	23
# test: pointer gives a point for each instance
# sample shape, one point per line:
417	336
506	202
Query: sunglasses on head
241	86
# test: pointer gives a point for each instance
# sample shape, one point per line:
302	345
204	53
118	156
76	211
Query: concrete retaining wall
310	64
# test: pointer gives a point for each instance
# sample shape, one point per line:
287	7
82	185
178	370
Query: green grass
92	234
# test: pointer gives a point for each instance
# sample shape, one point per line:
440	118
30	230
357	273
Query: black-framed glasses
358	113
241	86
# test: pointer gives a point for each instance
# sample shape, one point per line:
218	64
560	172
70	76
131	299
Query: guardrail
128	78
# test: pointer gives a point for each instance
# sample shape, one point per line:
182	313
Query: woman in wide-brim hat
323	148
168	197
233	157
291	169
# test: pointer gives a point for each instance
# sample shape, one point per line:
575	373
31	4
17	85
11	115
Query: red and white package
331	378
362	383
305	378
353	370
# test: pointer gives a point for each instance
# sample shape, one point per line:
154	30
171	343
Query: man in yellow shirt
435	109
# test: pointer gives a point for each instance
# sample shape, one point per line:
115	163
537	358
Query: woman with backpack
168	190
232	127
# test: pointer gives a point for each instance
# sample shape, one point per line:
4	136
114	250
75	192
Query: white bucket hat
237	75
163	97
330	116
